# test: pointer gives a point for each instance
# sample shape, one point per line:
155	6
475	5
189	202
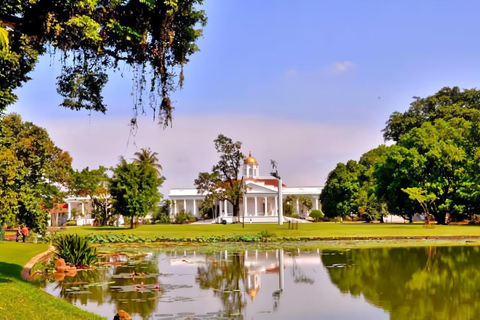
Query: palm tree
147	158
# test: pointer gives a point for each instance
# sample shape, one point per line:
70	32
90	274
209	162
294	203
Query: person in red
24	232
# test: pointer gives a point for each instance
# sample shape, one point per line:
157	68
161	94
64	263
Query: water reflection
412	283
247	285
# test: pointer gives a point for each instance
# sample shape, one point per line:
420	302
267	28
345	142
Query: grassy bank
22	300
322	230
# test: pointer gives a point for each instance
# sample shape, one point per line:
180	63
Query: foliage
161	214
32	170
448	103
184	217
94	183
316	215
71	223
134	189
75	250
223	183
338	197
154	38
148	159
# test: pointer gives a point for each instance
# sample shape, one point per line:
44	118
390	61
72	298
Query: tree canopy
432	167
32	169
153	37
224	183
134	189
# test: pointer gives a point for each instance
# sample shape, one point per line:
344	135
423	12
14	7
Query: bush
71	223
75	250
184	217
316	215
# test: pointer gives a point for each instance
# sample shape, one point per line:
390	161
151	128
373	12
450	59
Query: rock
61	266
60	263
122	315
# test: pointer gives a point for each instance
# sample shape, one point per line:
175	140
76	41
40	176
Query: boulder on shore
122	315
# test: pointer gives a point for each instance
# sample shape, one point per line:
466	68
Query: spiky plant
75	250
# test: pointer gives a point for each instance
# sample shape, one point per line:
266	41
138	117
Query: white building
261	199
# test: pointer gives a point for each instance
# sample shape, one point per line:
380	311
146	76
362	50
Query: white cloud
187	148
339	67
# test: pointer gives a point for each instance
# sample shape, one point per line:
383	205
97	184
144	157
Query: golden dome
250	159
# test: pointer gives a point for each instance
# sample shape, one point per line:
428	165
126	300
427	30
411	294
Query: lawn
326	230
22	300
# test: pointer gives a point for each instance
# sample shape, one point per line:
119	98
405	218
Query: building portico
260	202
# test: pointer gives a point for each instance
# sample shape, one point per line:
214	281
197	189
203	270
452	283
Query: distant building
260	201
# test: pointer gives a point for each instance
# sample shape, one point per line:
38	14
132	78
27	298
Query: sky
307	83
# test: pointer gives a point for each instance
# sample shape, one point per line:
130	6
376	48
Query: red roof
60	208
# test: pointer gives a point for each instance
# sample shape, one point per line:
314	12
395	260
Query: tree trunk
131	222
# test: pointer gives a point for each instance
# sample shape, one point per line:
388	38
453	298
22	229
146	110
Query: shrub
317	215
71	223
75	250
184	217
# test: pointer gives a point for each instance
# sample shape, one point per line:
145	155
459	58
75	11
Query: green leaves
134	189
75	250
4	42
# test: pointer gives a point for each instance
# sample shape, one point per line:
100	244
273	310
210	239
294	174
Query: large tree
442	159
94	184
446	104
153	37
224	183
32	169
134	189
339	195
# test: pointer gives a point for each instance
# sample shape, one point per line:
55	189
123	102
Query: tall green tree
442	158
223	182
339	195
32	170
134	190
154	37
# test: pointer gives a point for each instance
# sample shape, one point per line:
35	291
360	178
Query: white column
194	208
245	206
256	210
185	205
225	205
69	211
298	207
276	207
83	209
175	207
221	208
280	202
265	205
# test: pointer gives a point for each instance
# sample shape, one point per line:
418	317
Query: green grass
304	230
22	300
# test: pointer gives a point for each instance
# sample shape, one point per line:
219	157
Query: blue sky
309	83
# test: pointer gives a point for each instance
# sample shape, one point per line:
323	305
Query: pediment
254	187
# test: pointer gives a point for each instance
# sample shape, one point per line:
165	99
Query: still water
387	283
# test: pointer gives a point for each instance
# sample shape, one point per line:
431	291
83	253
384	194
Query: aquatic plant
75	250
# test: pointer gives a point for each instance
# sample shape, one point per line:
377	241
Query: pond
386	283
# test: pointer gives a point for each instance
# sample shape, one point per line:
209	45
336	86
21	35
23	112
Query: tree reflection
227	278
418	283
95	281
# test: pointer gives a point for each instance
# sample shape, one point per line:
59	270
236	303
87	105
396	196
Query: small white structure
261	199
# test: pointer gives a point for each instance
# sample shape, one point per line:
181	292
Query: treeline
432	167
36	176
